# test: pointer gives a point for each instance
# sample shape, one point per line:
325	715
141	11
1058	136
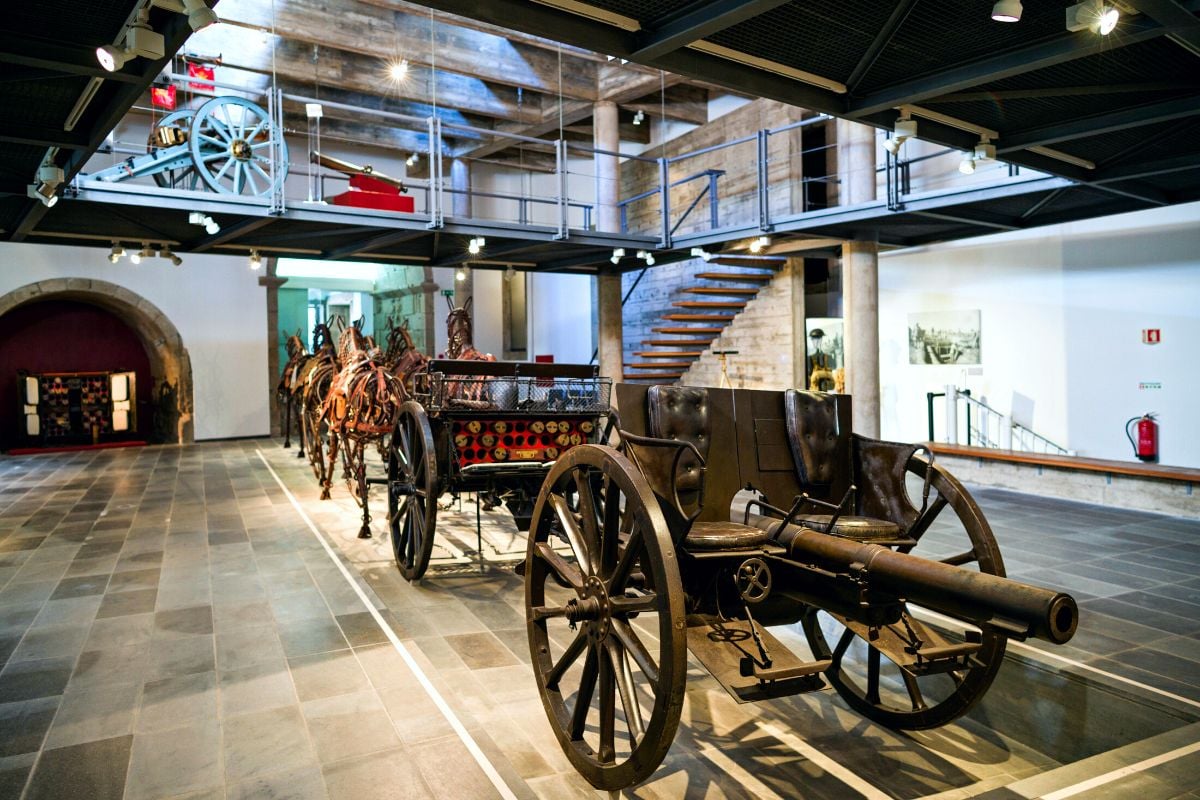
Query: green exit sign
447	293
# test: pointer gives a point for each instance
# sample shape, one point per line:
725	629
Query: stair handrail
1010	435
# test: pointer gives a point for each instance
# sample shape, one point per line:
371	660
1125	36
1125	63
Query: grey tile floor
170	627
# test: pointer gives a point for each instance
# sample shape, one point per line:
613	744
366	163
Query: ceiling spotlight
460	276
412	159
509	273
145	252
255	260
759	244
985	150
475	245
199	15
905	129
700	252
139	40
638	117
43	192
165	252
1007	11
967	165
211	227
1093	15
115	254
46	180
209	224
649	260
398	70
617	255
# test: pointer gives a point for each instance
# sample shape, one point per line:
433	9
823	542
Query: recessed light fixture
1094	15
1007	11
398	70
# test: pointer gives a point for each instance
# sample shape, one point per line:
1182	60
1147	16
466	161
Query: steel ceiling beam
45	54
1096	125
1148	169
981	219
899	14
695	22
958	77
43	137
383	240
230	232
493	253
1185	25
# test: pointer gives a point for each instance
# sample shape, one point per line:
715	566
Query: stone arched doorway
170	365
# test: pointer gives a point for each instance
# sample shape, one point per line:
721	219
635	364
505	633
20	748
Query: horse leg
299	411
287	422
327	477
363	488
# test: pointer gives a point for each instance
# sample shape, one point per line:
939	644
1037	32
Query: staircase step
761	262
670	354
661	365
658	377
688	331
698	318
740	277
719	290
705	342
714	304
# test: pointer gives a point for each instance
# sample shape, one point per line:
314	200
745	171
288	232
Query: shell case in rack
492	440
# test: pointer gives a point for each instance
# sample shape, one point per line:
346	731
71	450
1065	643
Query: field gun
634	559
368	188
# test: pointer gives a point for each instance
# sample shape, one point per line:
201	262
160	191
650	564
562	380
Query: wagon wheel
866	677
412	490
613	645
174	178
230	144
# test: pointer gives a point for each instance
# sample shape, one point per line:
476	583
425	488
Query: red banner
163	97
203	71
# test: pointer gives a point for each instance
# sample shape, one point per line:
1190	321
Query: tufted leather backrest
681	413
820	444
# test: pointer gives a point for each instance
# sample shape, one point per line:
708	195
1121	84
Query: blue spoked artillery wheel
231	142
413	490
605	615
866	676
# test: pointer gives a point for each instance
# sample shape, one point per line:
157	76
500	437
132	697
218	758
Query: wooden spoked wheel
412	490
230	143
952	530
184	177
604	607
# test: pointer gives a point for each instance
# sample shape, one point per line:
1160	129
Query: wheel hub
592	607
240	149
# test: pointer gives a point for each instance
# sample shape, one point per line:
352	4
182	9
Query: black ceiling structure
1128	103
1114	121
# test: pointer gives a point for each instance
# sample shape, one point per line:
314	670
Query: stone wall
406	293
762	335
1177	498
737	188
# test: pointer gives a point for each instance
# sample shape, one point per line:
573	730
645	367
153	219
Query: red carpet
29	451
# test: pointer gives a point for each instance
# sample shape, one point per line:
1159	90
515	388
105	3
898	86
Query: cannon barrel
1014	608
349	168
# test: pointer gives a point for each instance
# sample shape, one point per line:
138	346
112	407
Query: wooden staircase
699	322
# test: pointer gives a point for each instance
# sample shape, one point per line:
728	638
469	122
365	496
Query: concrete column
460	182
607	137
611	356
608	219
860	305
856	150
799	335
271	283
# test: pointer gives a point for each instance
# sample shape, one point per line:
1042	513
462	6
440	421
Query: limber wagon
633	559
489	427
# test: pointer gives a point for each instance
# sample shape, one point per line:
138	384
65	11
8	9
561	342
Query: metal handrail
1009	433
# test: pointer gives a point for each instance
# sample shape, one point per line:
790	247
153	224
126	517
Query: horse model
402	356
285	391
460	345
316	376
362	406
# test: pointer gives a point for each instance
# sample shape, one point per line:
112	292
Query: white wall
560	317
1063	308
214	301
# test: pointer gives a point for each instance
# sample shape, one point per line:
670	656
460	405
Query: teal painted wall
293	314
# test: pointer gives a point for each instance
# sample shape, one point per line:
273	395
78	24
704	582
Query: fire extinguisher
1146	446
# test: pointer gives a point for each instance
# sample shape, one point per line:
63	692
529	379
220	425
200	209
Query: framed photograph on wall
825	352
944	337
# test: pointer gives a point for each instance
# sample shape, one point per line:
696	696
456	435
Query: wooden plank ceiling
467	72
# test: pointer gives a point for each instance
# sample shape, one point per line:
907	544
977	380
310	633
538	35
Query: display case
77	407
